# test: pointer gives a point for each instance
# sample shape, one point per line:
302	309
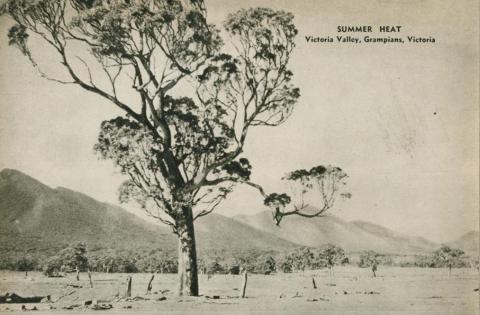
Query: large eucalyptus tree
181	139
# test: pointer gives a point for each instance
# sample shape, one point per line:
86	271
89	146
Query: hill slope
35	217
352	236
403	243
469	242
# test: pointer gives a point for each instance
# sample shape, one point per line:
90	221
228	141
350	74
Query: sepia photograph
239	157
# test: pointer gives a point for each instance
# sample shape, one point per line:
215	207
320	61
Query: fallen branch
65	295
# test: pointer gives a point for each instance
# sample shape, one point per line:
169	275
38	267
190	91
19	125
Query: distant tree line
300	259
444	257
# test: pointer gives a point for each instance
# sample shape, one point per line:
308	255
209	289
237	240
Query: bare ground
350	290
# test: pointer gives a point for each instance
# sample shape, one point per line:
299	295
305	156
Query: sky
401	120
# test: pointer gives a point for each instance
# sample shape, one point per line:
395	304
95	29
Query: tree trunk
187	255
90	278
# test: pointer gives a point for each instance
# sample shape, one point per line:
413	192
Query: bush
25	263
123	264
285	266
214	267
369	259
234	270
300	259
168	265
449	257
53	266
20	263
329	256
265	264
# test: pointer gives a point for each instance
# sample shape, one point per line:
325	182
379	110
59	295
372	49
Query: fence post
129	286
244	284
149	287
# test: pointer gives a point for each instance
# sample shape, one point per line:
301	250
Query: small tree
75	257
448	257
214	267
285	265
80	256
330	256
68	259
24	263
168	264
370	259
125	263
300	259
188	105
266	264
52	266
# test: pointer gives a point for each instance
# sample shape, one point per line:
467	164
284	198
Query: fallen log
15	298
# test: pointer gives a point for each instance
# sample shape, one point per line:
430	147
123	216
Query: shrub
285	266
368	259
25	263
265	264
53	266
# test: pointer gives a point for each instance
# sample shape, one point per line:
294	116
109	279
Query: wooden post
129	287
244	284
90	278
149	287
314	284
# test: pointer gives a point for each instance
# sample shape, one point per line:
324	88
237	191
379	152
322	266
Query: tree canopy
177	148
448	257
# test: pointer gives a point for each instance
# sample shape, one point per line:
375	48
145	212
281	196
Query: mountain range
352	236
37	218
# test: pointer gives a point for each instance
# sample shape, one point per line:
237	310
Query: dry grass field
350	290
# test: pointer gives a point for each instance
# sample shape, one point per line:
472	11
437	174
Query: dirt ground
350	290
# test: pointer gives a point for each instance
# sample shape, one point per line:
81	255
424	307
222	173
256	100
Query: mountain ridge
469	242
353	236
34	216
